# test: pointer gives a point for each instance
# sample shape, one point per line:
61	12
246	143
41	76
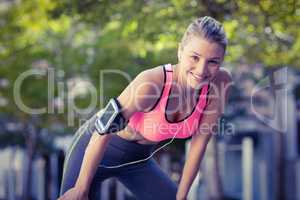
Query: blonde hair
208	28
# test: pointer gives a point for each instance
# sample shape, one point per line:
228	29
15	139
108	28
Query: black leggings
145	180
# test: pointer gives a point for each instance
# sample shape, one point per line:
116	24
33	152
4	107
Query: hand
74	194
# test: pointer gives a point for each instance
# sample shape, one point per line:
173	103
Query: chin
197	83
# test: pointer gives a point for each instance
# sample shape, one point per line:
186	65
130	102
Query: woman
93	157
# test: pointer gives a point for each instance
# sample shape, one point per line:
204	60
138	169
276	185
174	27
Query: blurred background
57	56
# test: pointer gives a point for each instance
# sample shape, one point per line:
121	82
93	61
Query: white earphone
141	160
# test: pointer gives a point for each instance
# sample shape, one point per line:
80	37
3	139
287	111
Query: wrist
180	196
182	193
82	189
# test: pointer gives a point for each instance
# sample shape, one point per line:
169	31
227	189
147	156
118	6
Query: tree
80	38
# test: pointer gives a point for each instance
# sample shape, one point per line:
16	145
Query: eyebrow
201	55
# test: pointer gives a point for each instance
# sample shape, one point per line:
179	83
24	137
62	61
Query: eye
195	58
214	62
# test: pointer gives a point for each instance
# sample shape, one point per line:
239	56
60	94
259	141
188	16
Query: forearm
189	173
92	157
191	166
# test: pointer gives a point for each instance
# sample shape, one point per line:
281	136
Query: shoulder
143	91
223	75
150	86
153	75
222	80
219	90
149	82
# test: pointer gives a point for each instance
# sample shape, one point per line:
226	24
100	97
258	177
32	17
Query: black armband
111	118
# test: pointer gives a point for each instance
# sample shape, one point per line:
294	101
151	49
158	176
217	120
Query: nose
201	69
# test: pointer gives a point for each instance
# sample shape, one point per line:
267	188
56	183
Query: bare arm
201	138
191	166
132	99
92	156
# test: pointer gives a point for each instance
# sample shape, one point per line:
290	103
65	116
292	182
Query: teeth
196	76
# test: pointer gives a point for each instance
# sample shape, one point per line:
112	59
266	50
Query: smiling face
199	61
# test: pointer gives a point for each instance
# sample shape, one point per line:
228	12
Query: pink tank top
154	125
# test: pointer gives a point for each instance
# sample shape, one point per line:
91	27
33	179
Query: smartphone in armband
110	119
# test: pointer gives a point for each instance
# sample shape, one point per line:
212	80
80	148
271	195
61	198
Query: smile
197	77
